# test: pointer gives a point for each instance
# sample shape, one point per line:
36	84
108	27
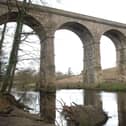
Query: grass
118	87
106	86
69	86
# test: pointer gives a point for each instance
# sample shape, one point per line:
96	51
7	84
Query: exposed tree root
79	115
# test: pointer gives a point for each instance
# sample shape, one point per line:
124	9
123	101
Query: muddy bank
13	113
17	120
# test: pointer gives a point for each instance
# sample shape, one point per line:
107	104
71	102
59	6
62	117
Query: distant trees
69	73
24	78
60	75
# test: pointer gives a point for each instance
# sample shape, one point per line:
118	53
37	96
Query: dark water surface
114	104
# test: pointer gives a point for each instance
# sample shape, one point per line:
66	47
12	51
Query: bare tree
1	45
9	75
1	42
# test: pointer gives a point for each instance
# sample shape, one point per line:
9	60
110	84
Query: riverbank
75	82
112	87
14	113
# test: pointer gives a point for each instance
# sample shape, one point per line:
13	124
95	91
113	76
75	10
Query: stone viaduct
45	21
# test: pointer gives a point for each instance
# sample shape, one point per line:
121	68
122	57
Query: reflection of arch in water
92	98
121	99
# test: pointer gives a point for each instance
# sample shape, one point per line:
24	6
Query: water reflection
109	101
42	103
112	103
47	106
30	99
92	98
122	108
67	96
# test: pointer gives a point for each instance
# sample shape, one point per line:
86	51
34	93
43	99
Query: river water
114	104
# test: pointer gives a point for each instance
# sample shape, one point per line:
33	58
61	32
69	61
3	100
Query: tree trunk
1	45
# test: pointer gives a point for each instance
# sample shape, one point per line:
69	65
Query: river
114	104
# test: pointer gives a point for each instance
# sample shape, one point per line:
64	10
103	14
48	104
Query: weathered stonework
45	21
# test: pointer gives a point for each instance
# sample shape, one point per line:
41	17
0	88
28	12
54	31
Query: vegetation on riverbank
106	86
110	86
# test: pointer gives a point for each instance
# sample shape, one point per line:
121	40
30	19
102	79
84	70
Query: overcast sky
107	9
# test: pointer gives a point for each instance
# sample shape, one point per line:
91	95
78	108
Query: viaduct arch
45	21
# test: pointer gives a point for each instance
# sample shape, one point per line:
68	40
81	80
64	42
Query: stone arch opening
119	41
33	35
87	40
28	20
68	59
108	53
